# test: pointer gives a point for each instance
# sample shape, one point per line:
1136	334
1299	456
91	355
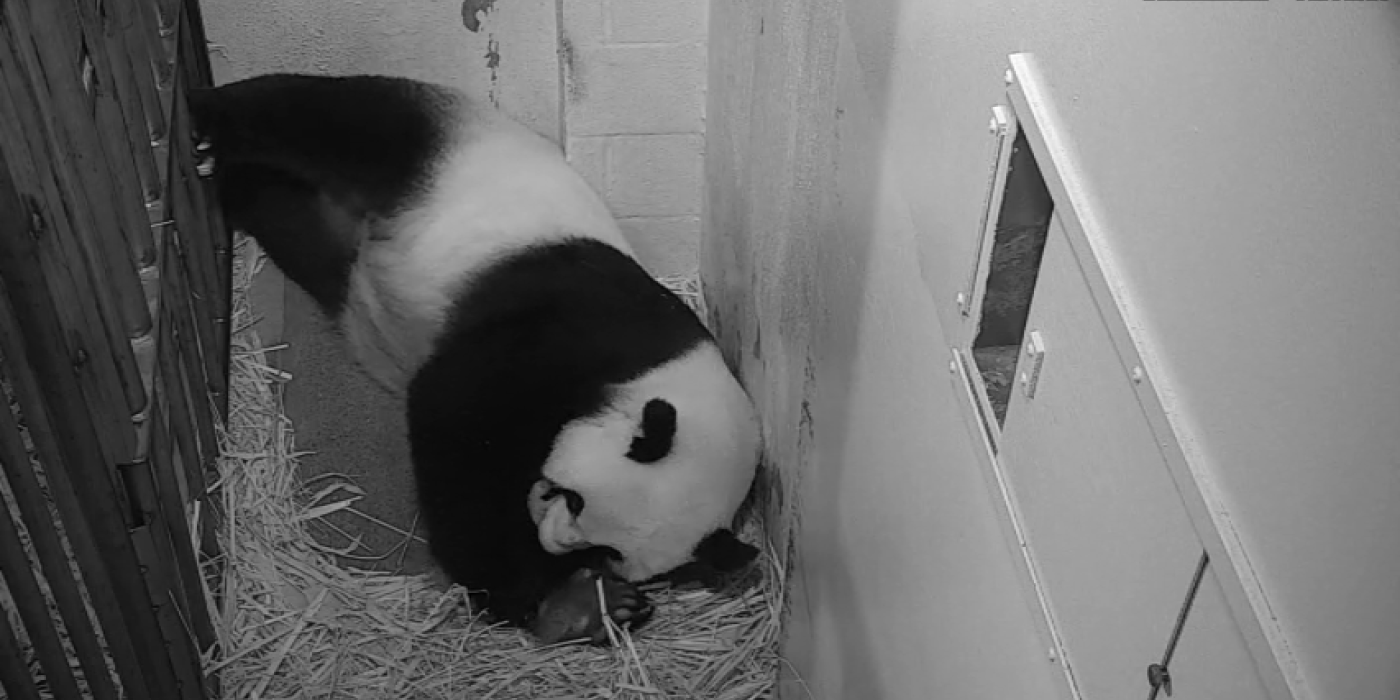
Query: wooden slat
172	507
168	12
195	240
14	674
131	290
161	61
38	520
76	96
162	514
175	295
88	552
89	34
159	577
171	393
53	218
85	548
197	63
200	406
29	328
143	47
194	257
179	643
34	611
214	228
114	18
50	91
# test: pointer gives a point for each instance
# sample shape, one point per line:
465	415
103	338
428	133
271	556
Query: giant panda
572	424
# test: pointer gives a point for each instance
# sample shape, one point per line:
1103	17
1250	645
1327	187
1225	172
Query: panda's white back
499	187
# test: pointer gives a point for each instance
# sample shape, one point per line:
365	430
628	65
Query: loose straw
293	623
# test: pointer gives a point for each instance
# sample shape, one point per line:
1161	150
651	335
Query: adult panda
570	420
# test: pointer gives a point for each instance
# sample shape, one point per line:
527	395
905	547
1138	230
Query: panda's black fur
302	160
309	167
523	382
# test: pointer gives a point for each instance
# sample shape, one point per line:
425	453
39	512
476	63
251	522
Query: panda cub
571	421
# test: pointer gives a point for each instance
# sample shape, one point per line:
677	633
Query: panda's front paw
572	611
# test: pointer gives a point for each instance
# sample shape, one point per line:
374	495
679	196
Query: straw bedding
294	624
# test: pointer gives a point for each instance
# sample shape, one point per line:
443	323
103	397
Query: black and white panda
570	419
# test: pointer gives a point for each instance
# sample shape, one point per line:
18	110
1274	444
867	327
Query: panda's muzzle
555	511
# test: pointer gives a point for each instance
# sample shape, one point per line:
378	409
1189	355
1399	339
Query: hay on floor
292	623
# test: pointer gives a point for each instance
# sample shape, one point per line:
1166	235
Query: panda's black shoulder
536	340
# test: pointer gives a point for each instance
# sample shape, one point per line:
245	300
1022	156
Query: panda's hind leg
309	237
309	164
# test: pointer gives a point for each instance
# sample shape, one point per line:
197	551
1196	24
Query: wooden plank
171	393
172	508
144	47
34	611
55	216
200	406
30	329
115	18
39	521
155	35
194	258
47	38
178	641
196	272
201	73
86	551
175	300
169	13
88	34
162	583
14	674
196	235
214	228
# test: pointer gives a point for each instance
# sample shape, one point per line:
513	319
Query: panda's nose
571	498
559	530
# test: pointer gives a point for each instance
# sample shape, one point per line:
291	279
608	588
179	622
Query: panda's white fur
468	190
501	187
651	513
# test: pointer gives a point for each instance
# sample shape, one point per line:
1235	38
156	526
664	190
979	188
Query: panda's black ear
656	433
722	551
716	561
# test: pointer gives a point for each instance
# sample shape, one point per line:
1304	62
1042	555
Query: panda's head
658	475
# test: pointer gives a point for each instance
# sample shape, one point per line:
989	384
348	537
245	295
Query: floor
348	424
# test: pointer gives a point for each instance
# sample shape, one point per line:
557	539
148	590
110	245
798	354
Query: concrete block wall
633	106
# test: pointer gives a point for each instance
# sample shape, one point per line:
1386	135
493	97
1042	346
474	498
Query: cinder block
589	156
583	23
636	90
666	246
658	175
655	21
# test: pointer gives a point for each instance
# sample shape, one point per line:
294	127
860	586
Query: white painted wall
1244	160
620	82
423	39
905	587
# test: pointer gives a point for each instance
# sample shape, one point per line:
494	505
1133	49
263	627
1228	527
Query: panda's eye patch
656	433
572	499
